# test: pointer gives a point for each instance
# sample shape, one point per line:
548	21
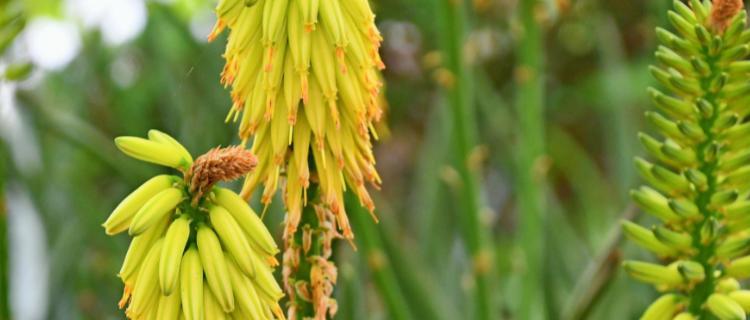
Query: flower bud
663	308
724	307
654	203
684	316
742	297
646	239
727	285
739	268
653	273
690	270
151	151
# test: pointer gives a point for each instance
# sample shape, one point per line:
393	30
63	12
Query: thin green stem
425	298
371	247
350	293
707	165
428	206
452	23
305	309
530	182
429	202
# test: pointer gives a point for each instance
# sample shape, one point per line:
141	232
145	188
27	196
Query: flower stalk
372	248
698	184
530	154
309	272
452	18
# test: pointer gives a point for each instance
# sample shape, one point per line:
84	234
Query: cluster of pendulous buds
198	251
306	85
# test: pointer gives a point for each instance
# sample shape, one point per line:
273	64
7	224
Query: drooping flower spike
198	251
699	184
305	79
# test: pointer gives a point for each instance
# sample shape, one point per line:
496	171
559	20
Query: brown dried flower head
219	164
723	11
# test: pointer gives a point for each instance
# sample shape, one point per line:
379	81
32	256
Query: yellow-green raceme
305	77
206	259
700	173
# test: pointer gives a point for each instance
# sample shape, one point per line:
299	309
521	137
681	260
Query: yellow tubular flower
305	76
176	266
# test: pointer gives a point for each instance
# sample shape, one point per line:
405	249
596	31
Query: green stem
452	23
305	309
321	237
707	166
530	110
418	284
428	204
377	260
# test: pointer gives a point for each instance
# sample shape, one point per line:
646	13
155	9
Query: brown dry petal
303	290
292	313
306	238
219	164
289	267
323	276
323	273
723	11
328	230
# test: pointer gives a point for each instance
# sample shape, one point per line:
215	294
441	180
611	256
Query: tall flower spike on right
700	179
305	77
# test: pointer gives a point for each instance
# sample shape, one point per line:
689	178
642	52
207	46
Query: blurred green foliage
415	264
4	272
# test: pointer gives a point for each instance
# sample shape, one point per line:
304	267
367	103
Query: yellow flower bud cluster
306	85
203	255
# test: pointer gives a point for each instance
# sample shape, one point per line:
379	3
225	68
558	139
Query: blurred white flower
118	20
51	44
88	12
17	133
29	264
124	70
201	24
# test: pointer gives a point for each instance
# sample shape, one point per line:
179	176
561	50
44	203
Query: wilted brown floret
323	272
723	11
323	276
219	164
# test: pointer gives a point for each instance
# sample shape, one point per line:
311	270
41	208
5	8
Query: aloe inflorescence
305	86
700	181
306	90
198	250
